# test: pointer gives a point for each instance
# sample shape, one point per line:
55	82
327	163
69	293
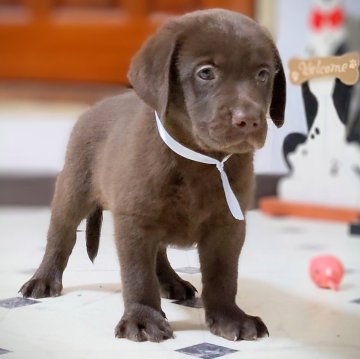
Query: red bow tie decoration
320	19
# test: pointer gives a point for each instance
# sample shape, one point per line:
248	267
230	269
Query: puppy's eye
206	73
262	76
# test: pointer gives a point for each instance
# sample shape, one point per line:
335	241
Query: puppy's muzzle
247	123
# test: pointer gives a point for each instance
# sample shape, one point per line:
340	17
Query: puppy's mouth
229	141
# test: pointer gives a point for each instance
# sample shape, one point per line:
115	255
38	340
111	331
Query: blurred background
57	57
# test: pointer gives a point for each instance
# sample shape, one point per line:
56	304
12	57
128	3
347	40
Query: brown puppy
212	76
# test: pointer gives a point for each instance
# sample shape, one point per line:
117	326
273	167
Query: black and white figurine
325	163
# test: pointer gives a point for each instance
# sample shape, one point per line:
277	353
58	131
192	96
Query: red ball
326	271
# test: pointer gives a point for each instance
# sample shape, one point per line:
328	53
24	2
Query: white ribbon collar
183	151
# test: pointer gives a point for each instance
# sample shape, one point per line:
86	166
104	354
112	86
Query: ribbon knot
183	151
220	166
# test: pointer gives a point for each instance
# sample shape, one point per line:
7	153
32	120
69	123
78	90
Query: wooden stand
276	207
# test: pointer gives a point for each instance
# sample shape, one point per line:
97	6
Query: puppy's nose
245	121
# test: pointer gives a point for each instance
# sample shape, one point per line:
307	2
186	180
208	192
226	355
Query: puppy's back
95	125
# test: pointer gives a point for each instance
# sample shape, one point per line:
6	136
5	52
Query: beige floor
304	322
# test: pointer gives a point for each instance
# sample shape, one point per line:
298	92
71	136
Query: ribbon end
239	216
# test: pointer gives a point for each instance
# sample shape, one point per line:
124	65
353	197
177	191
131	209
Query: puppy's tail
93	229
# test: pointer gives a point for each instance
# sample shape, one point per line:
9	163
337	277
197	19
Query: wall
33	136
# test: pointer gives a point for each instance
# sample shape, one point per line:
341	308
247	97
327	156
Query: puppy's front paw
41	288
141	323
234	325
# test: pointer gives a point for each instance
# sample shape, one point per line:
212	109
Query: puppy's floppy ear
278	100
149	72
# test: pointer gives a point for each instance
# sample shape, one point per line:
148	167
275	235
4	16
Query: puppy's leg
143	318
171	285
70	205
219	254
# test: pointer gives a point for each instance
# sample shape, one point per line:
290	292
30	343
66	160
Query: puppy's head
218	73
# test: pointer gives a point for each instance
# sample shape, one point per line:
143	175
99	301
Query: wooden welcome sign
345	68
333	189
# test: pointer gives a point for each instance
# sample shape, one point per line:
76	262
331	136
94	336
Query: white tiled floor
304	322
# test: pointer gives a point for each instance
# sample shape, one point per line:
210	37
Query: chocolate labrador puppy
212	76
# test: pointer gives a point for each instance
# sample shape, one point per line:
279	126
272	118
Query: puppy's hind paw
177	288
41	288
